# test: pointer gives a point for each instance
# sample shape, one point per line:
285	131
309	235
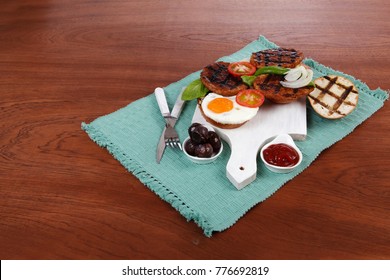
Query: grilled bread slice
270	86
334	97
217	79
288	58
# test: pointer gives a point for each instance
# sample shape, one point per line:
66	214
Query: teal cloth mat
202	193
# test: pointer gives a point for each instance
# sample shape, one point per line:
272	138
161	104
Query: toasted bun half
334	97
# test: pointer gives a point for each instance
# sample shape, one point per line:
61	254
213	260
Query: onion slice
294	74
297	77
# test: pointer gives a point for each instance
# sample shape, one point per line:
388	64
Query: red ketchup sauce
281	155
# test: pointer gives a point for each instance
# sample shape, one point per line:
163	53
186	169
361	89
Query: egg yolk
220	105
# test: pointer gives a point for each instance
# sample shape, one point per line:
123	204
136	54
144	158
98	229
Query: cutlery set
169	136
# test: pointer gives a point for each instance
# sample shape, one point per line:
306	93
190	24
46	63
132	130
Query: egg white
239	114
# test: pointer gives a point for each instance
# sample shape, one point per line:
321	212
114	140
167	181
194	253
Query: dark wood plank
64	62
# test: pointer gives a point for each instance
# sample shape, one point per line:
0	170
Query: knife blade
161	146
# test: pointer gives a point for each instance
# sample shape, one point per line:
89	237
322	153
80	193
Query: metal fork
171	137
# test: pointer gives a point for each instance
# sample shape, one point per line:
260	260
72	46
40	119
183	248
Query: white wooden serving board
246	141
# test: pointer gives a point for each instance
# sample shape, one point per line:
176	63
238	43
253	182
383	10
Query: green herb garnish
195	89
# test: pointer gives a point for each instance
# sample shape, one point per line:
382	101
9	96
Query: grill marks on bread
217	79
288	58
334	97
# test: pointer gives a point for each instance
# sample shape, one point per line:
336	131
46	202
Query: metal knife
170	118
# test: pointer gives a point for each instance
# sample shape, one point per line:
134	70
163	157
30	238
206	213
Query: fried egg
225	109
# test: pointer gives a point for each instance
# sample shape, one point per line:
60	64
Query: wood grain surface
67	61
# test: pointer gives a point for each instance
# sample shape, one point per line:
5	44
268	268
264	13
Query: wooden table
63	62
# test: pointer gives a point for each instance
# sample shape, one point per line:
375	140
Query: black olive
215	141
199	134
203	150
192	127
189	146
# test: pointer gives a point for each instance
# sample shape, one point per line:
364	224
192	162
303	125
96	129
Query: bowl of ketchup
281	155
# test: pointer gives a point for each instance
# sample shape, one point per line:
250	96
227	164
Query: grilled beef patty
288	58
270	86
216	78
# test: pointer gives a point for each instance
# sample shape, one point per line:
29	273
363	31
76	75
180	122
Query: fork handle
162	102
178	107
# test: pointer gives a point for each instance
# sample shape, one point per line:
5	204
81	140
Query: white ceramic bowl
198	159
285	139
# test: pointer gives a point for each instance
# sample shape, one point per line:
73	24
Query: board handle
241	168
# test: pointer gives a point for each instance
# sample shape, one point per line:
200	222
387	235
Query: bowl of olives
203	144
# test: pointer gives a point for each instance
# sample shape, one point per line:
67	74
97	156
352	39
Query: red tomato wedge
241	68
250	98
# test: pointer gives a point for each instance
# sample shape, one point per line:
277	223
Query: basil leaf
311	84
195	89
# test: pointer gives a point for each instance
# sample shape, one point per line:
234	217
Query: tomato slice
250	98
241	68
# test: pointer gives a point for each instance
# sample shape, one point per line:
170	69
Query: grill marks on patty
288	58
270	86
217	79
